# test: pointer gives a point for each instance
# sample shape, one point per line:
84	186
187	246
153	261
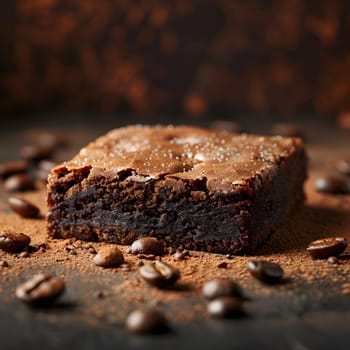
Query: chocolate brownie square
190	187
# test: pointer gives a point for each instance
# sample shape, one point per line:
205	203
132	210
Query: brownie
190	187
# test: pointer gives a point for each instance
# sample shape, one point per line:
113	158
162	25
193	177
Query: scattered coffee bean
23	208
35	152
343	166
159	274
266	271
220	287
4	263
146	321
11	168
330	184
40	290
109	257
332	260
19	182
13	242
147	245
224	307
326	247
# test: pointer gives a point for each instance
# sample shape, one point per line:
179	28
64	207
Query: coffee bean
220	287
23	207
40	290
35	152
19	182
332	260
266	271
11	168
224	307
109	257
330	184
147	245
146	321
326	247
4	263
159	274
13	242
343	166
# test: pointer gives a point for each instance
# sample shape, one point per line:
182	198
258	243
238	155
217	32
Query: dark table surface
304	326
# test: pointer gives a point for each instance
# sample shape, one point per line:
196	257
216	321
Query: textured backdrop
201	56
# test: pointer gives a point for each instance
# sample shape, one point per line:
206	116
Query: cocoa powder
124	290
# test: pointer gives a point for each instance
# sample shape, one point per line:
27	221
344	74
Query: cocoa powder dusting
124	290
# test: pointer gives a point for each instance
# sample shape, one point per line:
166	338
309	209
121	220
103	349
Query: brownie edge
187	186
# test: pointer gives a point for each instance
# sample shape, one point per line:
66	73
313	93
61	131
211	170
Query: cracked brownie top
151	152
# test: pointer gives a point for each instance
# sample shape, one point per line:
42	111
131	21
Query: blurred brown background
199	57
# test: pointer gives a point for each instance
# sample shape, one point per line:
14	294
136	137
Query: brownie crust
188	186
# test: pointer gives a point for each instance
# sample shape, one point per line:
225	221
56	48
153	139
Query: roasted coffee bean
109	257
146	321
11	168
147	245
23	207
343	166
330	184
35	152
224	307
19	182
220	287
13	242
266	271
41	289
159	274
326	247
